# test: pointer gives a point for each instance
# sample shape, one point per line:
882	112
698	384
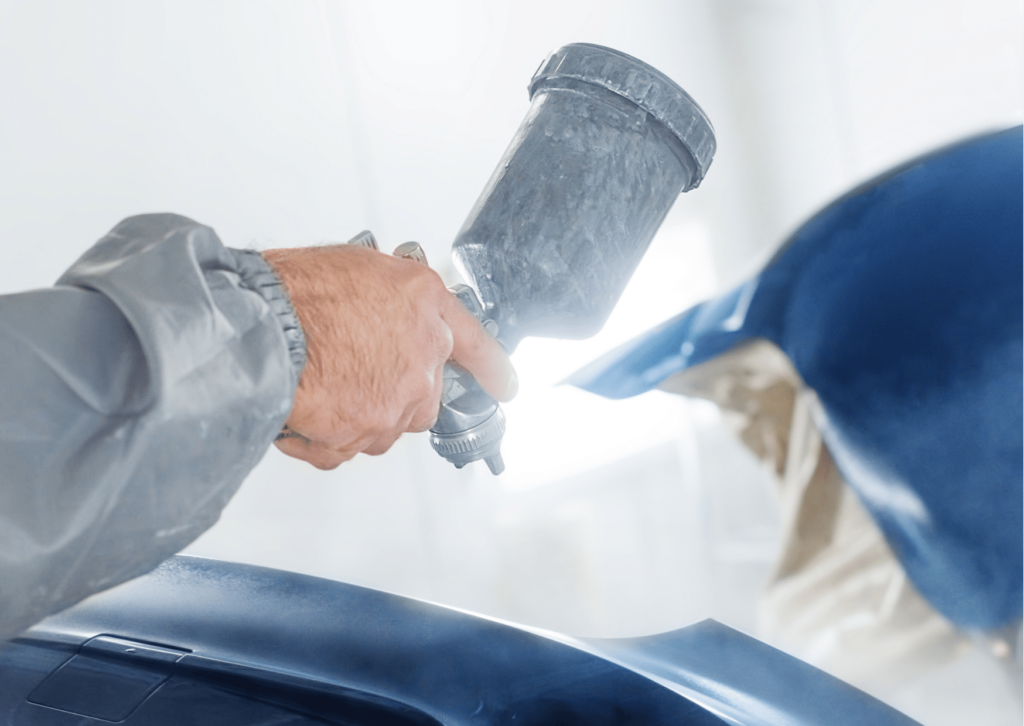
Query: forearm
136	396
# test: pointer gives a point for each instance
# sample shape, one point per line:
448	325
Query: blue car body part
900	305
202	641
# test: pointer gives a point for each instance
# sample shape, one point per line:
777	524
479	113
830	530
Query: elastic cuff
257	275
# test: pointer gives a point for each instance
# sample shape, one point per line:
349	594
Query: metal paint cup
608	144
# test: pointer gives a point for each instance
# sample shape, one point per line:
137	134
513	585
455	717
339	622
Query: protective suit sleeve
136	396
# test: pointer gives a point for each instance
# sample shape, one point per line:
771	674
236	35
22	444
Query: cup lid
647	87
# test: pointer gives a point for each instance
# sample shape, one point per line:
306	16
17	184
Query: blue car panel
206	642
900	305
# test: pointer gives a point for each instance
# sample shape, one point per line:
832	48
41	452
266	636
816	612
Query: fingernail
512	384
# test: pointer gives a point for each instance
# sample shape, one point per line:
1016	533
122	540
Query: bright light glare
557	431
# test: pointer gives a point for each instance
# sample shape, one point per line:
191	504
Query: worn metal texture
607	146
900	305
577	197
201	641
647	87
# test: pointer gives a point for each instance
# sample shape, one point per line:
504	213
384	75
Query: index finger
480	354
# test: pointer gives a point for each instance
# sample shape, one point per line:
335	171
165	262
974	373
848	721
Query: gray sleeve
135	396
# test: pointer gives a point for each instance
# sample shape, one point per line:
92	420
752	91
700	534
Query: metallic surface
201	641
900	305
365	239
470	424
578	195
411	251
647	87
607	146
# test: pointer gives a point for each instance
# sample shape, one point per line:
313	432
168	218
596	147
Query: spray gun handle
470	424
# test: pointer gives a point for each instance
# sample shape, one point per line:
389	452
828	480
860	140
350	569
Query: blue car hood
202	641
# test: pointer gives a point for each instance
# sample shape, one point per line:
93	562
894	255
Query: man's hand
379	330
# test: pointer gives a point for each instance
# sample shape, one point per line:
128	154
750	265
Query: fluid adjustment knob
411	251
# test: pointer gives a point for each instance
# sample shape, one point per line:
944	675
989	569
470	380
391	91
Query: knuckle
424	419
439	340
381	445
327	464
425	281
422	387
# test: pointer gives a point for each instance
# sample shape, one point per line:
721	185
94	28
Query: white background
291	123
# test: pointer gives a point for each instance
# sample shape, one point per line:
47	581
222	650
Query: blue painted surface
900	304
201	641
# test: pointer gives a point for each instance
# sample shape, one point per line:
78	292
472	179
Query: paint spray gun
608	144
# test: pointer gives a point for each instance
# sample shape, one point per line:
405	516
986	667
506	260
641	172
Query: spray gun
470	424
608	144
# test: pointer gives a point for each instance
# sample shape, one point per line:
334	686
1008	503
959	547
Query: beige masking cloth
837	596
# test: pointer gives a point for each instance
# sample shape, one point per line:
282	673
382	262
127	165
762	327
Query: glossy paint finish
900	305
201	641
